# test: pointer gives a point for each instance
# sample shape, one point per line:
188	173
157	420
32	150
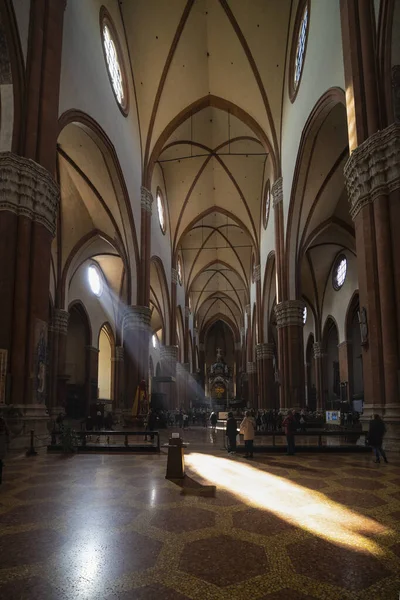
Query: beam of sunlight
304	508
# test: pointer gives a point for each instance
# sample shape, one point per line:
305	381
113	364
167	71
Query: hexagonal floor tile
26	548
94	517
156	496
326	562
33	588
312	484
360	484
356	499
223	560
287	594
32	513
259	521
183	519
149	592
100	556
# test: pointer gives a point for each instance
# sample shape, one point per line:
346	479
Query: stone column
238	363
169	359
373	182
92	377
265	363
289	317
136	338
202	365
29	199
174	283
146	201
319	375
119	378
58	391
346	366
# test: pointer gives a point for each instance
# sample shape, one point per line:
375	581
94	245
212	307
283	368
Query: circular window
95	280
114	61
299	46
161	210
339	272
267	203
305	315
179	269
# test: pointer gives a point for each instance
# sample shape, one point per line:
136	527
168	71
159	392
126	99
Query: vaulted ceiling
209	78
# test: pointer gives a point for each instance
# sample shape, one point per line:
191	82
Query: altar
220	383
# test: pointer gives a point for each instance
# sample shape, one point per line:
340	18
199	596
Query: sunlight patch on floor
308	509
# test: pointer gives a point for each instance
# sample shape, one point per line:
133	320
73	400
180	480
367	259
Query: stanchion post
32	451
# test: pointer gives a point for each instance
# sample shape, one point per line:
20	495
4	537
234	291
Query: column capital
373	168
187	312
119	354
318	350
265	351
257	273
277	192
289	312
137	318
251	367
248	310
174	275
59	321
195	333
169	353
28	189
146	199
242	332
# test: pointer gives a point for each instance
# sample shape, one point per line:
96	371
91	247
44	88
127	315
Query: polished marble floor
111	527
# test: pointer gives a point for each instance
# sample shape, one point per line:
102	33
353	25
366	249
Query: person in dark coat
377	430
231	433
289	425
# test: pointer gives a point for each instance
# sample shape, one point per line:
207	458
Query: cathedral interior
198	208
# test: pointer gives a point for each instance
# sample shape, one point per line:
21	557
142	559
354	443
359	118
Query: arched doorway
105	366
78	341
331	364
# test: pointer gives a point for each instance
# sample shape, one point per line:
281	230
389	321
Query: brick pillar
136	339
265	364
289	317
373	182
346	367
169	359
252	375
29	199
119	379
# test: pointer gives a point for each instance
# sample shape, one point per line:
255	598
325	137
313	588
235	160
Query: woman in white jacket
247	429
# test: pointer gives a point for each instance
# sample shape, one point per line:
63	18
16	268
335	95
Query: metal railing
85	439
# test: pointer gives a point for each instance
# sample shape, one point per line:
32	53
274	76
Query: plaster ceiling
215	162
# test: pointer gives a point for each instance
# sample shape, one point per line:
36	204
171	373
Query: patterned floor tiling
111	527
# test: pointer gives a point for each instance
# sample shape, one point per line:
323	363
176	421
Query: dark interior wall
220	336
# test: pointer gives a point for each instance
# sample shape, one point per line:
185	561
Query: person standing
231	433
377	430
289	425
213	420
247	429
